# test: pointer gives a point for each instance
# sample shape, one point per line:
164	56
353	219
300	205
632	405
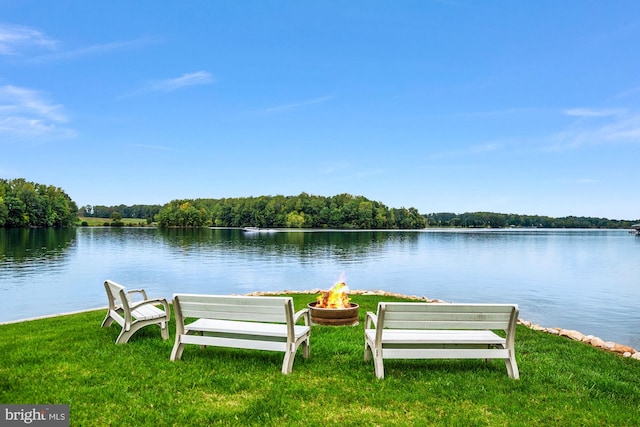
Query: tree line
499	220
27	204
343	211
147	212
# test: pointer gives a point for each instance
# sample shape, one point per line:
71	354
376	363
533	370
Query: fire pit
333	308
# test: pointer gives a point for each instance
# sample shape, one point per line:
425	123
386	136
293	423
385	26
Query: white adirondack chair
133	315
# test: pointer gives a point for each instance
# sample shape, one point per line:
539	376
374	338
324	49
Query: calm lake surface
587	280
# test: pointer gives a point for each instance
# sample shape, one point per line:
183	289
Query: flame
336	297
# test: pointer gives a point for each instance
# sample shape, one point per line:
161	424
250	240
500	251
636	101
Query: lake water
587	280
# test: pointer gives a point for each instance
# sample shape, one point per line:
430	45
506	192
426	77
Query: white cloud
169	85
190	79
336	167
26	113
588	112
94	50
619	128
15	38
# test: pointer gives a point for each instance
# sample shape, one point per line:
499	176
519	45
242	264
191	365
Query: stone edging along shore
610	346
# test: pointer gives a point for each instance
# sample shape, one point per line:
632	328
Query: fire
335	298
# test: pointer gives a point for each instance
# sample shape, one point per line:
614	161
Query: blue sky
445	106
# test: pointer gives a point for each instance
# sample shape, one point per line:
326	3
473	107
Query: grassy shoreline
100	222
70	359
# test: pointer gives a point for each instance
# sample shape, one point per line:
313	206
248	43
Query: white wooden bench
249	322
132	315
411	330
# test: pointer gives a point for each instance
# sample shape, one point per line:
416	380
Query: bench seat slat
235	343
147	312
443	353
435	337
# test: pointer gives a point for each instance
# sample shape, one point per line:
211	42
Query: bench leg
176	352
107	321
378	366
512	367
125	335
287	364
305	348
164	331
367	352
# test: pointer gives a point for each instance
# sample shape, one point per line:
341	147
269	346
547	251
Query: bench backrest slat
445	316
115	292
245	308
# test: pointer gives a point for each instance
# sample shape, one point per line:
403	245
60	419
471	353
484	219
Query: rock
596	342
570	333
619	348
626	354
636	356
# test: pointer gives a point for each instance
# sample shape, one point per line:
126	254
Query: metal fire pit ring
334	316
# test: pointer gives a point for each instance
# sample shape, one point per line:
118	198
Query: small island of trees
343	211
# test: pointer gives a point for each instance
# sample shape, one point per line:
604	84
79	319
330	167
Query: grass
71	360
93	222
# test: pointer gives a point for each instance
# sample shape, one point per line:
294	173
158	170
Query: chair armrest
138	291
370	319
304	312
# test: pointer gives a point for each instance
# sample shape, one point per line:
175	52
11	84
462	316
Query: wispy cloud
598	127
190	79
337	167
296	105
169	85
588	112
96	49
15	38
28	114
629	92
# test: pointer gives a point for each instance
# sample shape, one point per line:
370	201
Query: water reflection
25	244
303	245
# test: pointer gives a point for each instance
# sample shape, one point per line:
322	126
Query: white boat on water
258	230
636	227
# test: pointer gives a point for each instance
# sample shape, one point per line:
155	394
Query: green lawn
92	222
71	360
